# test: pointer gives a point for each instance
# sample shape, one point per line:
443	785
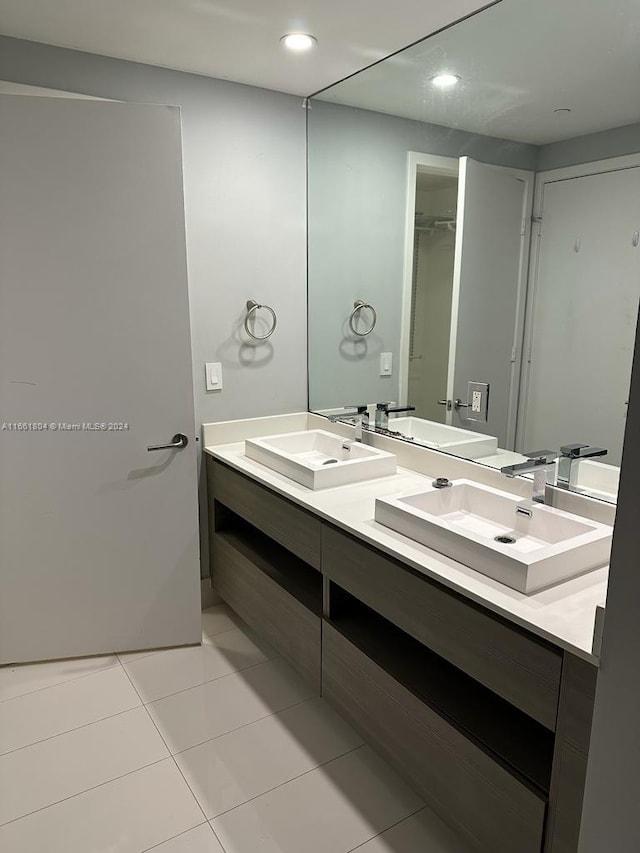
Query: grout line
289	781
64	680
186	782
173	837
155	725
74	729
392	826
208	681
217	837
244	725
86	790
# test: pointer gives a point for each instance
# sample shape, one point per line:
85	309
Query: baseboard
208	595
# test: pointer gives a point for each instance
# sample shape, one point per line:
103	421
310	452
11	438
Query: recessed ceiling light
446	80
298	41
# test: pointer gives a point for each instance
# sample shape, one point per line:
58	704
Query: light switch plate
478	402
386	363
213	376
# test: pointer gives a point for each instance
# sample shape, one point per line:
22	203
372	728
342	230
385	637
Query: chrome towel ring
252	307
358	305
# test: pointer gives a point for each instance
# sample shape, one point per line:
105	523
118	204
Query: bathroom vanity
481	696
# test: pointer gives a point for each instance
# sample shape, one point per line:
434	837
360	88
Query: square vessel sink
458	442
482	528
320	460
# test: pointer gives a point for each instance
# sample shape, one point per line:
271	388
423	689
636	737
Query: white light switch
213	375
386	363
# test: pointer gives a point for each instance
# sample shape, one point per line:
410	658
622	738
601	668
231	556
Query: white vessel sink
320	460
465	521
596	479
458	442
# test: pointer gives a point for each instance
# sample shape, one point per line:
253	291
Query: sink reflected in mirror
526	547
320	460
453	440
596	479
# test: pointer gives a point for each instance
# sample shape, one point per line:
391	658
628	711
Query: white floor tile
218	619
169	672
329	810
217	707
54	710
129	657
198	840
27	677
129	815
228	771
47	772
424	832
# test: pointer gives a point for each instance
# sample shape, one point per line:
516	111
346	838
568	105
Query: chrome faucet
383	410
542	463
359	418
569	453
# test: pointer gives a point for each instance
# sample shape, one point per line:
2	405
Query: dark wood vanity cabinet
488	722
265	563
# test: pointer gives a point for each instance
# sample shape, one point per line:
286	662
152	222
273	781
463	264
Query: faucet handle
383	407
360	408
571	450
581	451
543	457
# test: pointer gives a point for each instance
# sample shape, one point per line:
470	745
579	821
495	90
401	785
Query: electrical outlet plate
478	400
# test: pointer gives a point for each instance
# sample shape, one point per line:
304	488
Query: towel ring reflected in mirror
358	305
252	308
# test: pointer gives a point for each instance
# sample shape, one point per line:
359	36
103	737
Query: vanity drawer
296	530
273	612
490	807
524	671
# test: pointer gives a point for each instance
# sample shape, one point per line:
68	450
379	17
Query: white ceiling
519	61
236	39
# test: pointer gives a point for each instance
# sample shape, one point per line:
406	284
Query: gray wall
610	820
594	146
357	209
244	173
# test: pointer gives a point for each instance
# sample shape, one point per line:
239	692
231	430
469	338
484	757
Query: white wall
593	146
244	172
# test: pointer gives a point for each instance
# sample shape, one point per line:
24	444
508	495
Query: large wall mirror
474	236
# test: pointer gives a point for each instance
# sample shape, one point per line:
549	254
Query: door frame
550	176
439	166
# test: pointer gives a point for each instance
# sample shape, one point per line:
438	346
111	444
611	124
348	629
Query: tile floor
213	749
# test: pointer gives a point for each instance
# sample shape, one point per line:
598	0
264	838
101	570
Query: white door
491	244
98	536
584	310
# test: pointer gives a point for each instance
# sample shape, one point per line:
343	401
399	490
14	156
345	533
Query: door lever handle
178	441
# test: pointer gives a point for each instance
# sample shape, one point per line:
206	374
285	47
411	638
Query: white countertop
563	614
